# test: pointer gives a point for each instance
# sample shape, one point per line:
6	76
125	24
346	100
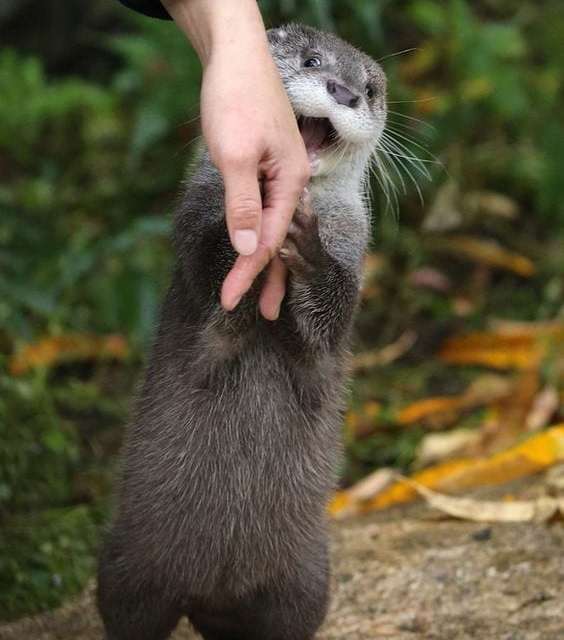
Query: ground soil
408	574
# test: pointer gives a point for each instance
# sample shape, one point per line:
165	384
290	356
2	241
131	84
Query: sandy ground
408	574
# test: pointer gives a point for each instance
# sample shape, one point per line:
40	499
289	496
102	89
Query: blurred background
459	349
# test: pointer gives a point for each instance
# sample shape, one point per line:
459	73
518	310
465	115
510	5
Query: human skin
252	136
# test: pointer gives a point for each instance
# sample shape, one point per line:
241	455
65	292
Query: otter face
337	92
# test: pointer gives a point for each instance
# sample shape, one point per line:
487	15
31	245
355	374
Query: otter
231	455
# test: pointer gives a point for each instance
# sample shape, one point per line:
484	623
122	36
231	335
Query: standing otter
231	455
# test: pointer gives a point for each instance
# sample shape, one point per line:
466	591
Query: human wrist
215	27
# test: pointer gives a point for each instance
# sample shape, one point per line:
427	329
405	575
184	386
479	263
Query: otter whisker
190	120
393	125
397	53
414	158
390	147
410	141
412	118
412	101
405	166
399	163
401	149
403	163
389	189
392	164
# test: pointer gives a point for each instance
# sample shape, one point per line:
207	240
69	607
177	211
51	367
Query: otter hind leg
129	610
137	619
263	616
292	611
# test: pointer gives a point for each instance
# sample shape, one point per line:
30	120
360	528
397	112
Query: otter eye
314	61
369	92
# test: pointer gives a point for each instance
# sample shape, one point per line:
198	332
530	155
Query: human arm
252	136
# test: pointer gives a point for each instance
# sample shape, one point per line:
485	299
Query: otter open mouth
318	134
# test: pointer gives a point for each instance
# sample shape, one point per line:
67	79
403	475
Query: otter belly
236	473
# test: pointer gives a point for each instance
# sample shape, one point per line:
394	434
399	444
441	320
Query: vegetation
94	140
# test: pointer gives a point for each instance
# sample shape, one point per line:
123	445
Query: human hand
252	136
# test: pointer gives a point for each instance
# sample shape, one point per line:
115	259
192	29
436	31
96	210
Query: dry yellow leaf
522	349
538	510
435	447
422	409
484	390
51	351
344	502
530	456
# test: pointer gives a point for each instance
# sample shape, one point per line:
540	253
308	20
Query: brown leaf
486	252
484	390
361	424
521	347
490	203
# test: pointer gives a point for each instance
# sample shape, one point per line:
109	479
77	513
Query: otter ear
276	36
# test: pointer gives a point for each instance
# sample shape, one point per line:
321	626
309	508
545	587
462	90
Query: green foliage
38	449
73	254
89	170
51	556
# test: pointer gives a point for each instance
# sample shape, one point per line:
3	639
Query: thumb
243	207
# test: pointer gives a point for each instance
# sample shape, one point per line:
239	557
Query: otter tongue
314	131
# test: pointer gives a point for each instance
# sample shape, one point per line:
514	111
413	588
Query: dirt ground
408	574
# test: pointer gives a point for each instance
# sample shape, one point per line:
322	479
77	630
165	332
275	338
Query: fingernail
245	242
235	303
271	315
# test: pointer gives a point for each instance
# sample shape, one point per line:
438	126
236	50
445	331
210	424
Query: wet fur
232	451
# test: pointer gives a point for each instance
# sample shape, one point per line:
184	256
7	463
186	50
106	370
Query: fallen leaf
435	447
479	203
345	502
507	418
385	355
527	458
538	510
521	348
429	407
485	252
361	423
484	390
49	352
545	405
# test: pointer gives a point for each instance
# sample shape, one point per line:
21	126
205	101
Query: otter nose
341	94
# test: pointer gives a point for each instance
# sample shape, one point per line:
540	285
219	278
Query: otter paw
302	251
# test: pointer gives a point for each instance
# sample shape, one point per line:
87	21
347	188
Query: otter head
338	95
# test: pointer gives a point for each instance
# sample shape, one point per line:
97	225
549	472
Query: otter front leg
322	292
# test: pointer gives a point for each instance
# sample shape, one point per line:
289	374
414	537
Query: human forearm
252	136
214	26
